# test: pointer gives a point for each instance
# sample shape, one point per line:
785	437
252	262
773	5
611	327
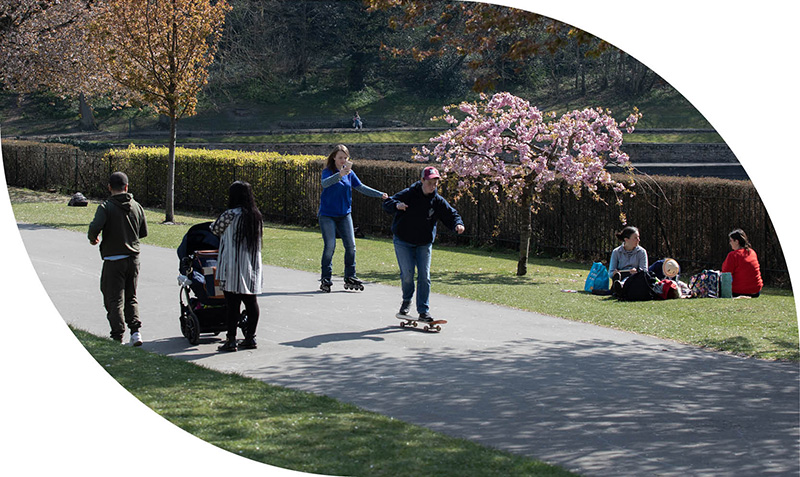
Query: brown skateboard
432	326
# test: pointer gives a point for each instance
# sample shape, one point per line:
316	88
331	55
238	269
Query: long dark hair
741	237
331	163
240	194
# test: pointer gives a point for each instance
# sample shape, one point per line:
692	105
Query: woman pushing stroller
239	262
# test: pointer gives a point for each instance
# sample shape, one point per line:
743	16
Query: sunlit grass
398	137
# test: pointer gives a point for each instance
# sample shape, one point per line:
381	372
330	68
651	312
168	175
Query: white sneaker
136	339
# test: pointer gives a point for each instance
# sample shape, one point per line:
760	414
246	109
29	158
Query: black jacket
122	223
417	224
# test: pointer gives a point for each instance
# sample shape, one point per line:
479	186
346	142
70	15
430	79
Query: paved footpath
596	401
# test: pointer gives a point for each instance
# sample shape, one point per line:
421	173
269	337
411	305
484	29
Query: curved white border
735	64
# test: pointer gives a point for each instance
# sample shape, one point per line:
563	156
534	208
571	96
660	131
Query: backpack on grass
705	284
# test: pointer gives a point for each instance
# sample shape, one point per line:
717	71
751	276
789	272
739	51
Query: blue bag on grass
597	278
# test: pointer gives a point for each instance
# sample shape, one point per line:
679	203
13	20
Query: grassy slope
49	115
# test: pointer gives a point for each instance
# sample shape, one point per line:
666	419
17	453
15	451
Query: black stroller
202	302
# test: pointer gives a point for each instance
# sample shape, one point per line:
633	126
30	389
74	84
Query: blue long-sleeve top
417	224
336	199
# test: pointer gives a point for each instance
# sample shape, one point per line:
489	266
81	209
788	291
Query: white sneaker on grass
136	339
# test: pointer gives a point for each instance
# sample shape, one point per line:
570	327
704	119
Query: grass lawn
292	429
399	137
765	327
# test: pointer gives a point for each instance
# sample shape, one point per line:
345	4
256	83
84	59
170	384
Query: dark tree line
442	50
341	44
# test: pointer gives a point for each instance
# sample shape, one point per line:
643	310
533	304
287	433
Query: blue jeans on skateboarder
409	258
344	226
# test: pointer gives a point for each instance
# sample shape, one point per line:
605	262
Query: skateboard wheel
438	328
426	328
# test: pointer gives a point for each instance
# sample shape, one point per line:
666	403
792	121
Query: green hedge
684	218
281	183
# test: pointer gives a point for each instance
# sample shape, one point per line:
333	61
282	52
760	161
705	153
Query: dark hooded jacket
122	223
417	224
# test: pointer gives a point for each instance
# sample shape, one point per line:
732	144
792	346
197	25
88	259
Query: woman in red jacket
742	262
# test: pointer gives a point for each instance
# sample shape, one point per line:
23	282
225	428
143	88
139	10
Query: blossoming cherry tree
504	145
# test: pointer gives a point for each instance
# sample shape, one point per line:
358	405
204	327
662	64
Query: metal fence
684	218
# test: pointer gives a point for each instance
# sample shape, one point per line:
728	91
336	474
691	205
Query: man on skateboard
416	211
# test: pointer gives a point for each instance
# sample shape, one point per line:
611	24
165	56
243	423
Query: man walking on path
121	221
416	210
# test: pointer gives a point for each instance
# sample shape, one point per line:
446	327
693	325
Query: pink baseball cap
430	173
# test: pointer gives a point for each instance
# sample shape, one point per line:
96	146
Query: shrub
202	177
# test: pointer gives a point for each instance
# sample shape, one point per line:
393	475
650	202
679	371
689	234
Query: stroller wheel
190	324
192	328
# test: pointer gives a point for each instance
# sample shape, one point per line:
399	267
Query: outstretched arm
396	202
449	216
370	192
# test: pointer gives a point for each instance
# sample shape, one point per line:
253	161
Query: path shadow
178	346
296	293
598	406
315	341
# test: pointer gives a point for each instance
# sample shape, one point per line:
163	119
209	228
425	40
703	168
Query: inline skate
325	284
353	283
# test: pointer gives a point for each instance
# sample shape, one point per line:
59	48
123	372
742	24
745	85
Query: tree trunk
525	236
170	199
87	115
172	108
357	74
554	77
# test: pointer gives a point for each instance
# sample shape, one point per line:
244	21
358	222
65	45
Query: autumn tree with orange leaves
160	51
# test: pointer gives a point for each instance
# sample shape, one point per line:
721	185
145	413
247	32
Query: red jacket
743	265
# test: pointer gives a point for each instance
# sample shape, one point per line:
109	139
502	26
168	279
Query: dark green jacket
122	223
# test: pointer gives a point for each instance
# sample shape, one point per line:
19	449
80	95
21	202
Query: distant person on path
357	124
239	262
121	222
416	211
742	263
335	206
627	258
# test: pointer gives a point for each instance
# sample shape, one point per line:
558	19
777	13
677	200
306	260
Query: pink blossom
505	145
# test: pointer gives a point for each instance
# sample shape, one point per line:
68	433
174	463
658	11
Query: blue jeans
410	257
329	227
